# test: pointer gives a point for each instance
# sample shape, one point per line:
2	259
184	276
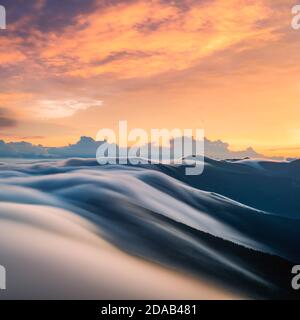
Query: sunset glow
227	66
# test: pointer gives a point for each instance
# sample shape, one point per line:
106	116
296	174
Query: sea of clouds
74	229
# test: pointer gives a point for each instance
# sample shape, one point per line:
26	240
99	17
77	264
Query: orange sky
227	66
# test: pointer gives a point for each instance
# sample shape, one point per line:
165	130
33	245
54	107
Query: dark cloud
120	55
48	15
32	137
151	26
6	120
52	15
183	5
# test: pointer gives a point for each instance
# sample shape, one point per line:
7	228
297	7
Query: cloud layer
129	38
87	147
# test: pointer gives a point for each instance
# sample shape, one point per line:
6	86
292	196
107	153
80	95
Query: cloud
86	147
45	15
168	39
6	120
64	108
33	137
220	150
21	150
68	38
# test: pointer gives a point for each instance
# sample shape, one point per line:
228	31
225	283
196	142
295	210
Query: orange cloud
10	52
147	38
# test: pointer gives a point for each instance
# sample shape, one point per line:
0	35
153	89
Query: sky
230	67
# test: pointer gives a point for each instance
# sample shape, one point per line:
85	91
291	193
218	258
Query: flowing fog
74	229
